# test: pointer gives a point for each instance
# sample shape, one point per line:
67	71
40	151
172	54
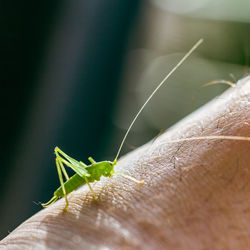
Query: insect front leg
130	178
59	167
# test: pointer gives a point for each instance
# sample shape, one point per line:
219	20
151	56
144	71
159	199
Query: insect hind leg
59	170
63	169
50	202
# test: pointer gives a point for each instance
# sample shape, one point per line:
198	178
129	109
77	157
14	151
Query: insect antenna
153	93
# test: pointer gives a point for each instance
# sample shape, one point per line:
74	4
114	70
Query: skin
196	194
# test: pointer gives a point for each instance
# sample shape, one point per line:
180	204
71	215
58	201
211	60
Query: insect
85	174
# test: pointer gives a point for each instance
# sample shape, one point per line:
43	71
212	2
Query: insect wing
79	168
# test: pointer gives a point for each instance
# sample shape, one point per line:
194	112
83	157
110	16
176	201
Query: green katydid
86	174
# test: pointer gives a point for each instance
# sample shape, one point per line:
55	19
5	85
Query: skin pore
196	194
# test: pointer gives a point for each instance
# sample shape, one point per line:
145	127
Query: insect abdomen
70	185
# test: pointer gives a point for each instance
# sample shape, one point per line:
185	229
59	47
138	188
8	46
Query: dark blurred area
60	66
73	74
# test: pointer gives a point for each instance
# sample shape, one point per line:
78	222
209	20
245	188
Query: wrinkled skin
196	194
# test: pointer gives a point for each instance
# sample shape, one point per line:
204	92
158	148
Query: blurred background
74	73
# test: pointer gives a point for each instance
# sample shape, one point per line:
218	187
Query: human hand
196	193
